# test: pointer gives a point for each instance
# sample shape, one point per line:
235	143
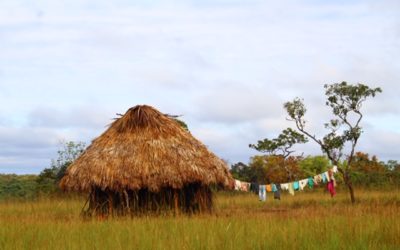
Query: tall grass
308	220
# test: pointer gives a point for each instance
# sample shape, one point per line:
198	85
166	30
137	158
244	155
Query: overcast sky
67	68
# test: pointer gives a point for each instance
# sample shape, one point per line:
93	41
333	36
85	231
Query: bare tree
344	128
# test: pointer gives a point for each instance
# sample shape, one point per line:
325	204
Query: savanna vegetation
308	220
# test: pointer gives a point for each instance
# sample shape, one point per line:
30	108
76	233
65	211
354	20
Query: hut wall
192	198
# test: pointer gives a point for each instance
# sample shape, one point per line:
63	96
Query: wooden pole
176	202
110	203
127	200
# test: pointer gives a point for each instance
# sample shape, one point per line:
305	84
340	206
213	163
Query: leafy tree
241	171
278	168
182	124
363	163
179	121
345	101
313	165
258	170
46	181
394	168
254	172
392	165
49	177
368	171
69	152
280	147
267	169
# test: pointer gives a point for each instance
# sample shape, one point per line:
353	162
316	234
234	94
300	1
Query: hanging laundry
303	183
254	187
323	176
331	188
274	188
277	193
327	176
291	190
317	179
310	182
285	186
244	186
296	185
262	194
238	185
332	178
331	174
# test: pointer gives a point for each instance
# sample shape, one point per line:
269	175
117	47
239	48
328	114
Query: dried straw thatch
146	161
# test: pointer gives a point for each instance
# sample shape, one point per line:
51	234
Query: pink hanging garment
331	188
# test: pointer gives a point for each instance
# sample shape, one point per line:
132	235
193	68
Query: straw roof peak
140	116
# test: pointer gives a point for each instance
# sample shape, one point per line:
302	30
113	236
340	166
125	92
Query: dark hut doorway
191	198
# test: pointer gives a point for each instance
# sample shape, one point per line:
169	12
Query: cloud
232	103
26	137
18	165
227	66
26	149
229	144
78	117
382	143
29	148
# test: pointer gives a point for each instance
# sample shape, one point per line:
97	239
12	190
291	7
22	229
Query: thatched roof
145	149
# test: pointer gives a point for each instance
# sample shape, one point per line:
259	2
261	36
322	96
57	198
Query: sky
67	68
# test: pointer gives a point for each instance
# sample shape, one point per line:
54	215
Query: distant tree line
367	171
18	186
46	183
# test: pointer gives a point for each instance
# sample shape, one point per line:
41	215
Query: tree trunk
349	184
351	190
288	172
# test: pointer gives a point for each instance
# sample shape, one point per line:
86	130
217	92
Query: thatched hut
145	161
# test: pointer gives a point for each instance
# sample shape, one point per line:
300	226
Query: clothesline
262	189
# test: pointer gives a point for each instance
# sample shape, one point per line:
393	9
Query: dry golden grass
309	220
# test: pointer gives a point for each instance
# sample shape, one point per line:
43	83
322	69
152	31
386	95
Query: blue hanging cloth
296	185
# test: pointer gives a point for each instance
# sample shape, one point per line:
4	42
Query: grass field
309	220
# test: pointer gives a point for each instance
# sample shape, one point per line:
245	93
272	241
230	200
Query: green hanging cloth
310	182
